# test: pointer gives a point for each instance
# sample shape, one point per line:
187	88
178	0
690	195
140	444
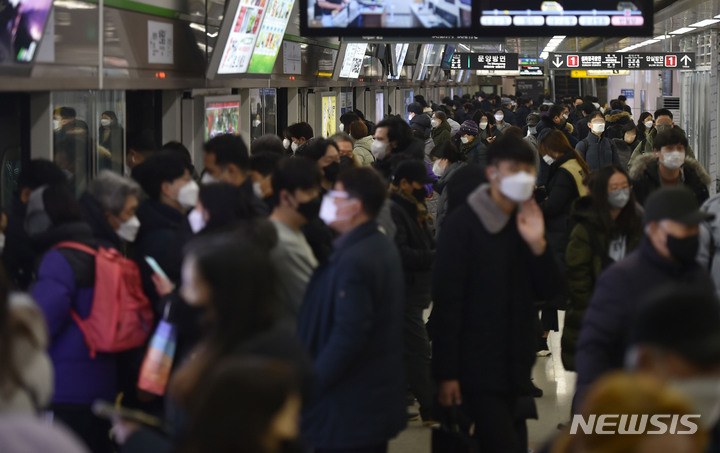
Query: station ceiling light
705	23
552	45
681	31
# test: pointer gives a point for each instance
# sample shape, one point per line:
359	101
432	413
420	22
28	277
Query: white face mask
379	149
196	221
673	159
704	393
411	116
499	118
56	125
598	128
464	140
188	195
257	190
518	187
483	125
286	143
548	160
105	123
294	146
434	123
341	127
565	116
437	169
207	178
128	230
256	123
127	171
648	124
328	208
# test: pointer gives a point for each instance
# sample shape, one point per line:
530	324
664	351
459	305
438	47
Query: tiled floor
557	384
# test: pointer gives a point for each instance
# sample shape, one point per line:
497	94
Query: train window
263	112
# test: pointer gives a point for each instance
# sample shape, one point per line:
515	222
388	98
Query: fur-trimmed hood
622	117
648	160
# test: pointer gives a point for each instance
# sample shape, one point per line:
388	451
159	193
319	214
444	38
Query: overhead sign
598	73
485	61
622	60
584	75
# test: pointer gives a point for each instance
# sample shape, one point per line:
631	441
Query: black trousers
94	431
417	359
498	429
382	448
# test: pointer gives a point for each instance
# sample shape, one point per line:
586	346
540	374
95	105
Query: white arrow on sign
685	60
558	61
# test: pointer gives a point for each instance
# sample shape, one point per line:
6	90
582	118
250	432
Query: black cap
674	203
413	171
683	319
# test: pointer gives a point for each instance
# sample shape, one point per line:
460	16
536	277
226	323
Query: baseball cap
413	171
674	203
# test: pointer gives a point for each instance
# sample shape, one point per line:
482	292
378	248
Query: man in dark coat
582	125
417	250
492	264
419	121
667	254
555	119
523	110
351	322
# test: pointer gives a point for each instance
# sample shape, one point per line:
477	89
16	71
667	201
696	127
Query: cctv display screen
353	62
473	19
22	24
270	36
222	116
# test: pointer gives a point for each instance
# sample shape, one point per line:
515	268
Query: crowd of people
276	300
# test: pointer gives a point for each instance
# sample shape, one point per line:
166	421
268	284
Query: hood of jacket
365	143
618	118
648	161
583	211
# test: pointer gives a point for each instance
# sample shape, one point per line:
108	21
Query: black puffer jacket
421	122
615	123
645	177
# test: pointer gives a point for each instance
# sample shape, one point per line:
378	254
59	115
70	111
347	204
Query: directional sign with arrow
623	60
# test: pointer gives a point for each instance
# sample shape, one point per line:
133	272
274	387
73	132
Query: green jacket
586	257
441	133
646	146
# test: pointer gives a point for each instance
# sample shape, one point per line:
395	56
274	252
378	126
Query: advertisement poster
271	36
292	58
241	41
354	57
222	118
329	115
21	28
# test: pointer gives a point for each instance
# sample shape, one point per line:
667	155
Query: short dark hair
556	110
182	151
315	148
398	130
229	149
295	173
267	143
672	136
142	141
347	119
265	162
588	108
366	185
299	130
596	114
60	205
227	205
67	112
40	172
663	112
622	98
510	147
446	150
616	105
160	167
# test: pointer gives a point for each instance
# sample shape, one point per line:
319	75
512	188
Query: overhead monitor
237	38
22	25
270	36
467	20
222	116
352	62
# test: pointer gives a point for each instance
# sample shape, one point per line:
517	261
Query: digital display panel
353	61
467	20
270	36
222	116
22	24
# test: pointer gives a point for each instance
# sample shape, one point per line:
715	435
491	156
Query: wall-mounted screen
22	24
353	60
270	36
222	116
468	20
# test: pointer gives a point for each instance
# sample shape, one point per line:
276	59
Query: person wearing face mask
506	107
626	144
351	322
111	135
524	109
596	149
346	119
296	185
109	207
582	125
472	146
141	145
262	168
415	242
556	120
345	145
492	258
608	226
446	161
440	128
299	133
645	124
663	122
616	120
394	142
666	255
565	184
418	120
363	143
669	166
500	122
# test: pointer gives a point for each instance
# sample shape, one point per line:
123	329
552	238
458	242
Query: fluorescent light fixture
681	31
705	23
662	37
650	41
212	35
199	27
544	55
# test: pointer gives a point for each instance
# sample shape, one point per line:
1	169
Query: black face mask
310	209
331	171
683	250
420	194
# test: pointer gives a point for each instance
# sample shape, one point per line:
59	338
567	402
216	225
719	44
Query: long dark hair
641	121
629	220
233	409
557	142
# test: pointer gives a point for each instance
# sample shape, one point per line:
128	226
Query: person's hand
531	226
449	393
491	139
122	429
163	286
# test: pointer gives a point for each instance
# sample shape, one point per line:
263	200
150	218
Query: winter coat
598	152
521	115
460	115
502	127
646	147
363	150
440	186
421	122
454	126
351	322
709	253
615	123
484	283
582	127
441	134
95	217
19	257
546	125
65	283
509	118
586	257
475	151
610	316
417	250
645	177
624	150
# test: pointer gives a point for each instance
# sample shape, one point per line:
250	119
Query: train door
263	112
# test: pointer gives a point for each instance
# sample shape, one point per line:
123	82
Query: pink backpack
121	316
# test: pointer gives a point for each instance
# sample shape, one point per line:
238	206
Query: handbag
453	433
156	366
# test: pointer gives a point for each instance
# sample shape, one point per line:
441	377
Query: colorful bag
155	370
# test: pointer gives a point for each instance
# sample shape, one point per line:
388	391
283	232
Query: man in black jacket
492	264
417	251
